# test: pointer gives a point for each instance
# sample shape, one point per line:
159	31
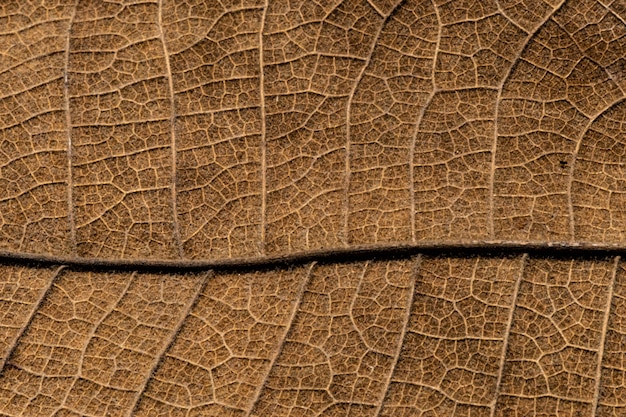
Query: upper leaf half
210	130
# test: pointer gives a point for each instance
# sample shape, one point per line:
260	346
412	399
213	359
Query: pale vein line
592	120
199	365
420	117
357	290
492	174
503	13
357	81
68	126
507	332
605	327
44	294
170	80
570	181
90	336
373	6
418	122
359	286
263	133
405	326
202	283
296	308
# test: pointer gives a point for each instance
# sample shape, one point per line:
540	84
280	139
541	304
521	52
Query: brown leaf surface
159	161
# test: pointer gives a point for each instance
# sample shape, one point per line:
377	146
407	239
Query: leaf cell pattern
246	130
429	335
210	130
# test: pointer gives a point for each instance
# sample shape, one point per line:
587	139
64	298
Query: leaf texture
312	208
202	130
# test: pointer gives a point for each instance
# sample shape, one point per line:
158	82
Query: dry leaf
306	208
